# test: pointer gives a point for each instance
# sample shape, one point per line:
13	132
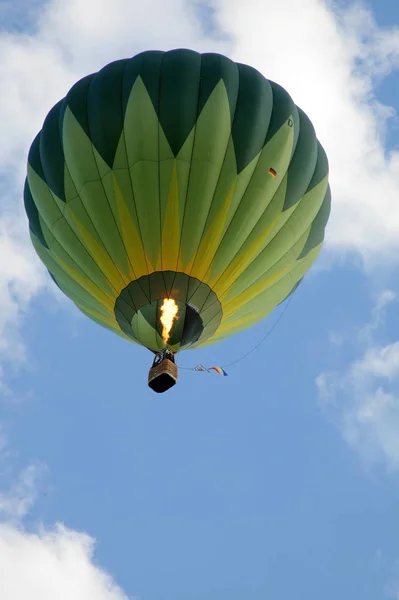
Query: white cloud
21	277
363	398
45	563
52	564
331	63
16	502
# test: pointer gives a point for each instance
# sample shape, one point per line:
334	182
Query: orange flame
169	310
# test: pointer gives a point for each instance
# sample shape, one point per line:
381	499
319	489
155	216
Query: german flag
272	172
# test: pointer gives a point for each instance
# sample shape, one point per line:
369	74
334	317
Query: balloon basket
163	376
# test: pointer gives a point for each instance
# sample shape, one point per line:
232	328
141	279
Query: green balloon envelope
177	175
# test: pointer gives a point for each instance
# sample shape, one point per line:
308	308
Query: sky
279	481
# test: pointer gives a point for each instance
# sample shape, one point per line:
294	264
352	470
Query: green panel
50	212
65	282
145	331
281	245
100	215
79	152
284	111
214	69
303	163
316	234
321	169
262	201
65	246
142	151
177	103
145	65
212	171
76	102
33	214
266	302
51	152
252	115
34	159
104	109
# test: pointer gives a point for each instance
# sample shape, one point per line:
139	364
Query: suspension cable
261	341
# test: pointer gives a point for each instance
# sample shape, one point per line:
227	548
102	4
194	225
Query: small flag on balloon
272	172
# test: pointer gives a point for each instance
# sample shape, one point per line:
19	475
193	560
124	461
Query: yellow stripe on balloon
101	257
231	326
86	283
169	258
131	238
249	294
199	265
221	284
107	321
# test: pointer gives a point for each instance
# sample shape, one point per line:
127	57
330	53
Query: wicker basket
163	376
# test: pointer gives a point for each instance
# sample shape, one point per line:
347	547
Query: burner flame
169	310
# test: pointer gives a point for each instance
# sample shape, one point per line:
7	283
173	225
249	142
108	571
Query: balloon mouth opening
138	310
188	329
178	324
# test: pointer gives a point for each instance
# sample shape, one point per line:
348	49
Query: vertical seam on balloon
230	223
116	223
232	218
279	233
225	335
214	192
52	232
79	240
73	232
73	260
281	257
137	325
100	180
271	266
77	295
245	191
288	275
90	220
263	275
132	186
74	294
188	184
159	169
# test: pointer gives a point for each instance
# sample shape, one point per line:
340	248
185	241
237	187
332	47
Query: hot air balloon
177	198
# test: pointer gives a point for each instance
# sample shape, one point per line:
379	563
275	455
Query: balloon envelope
177	175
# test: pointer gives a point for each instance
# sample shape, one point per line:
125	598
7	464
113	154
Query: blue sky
278	481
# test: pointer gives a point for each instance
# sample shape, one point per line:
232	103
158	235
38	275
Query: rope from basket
221	370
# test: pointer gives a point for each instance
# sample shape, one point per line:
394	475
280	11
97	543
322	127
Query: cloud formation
52	564
363	398
331	62
44	564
